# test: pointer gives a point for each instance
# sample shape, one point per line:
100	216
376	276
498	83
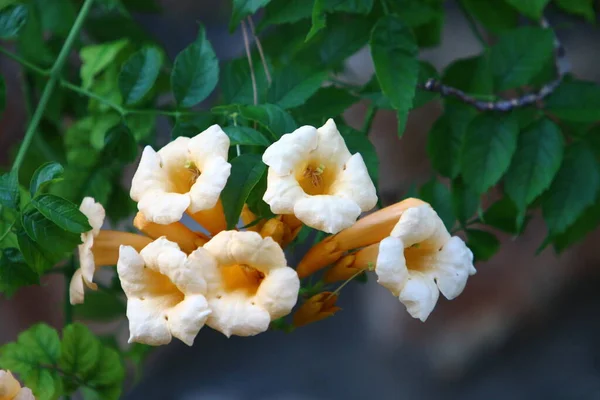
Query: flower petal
149	176
9	386
175	154
283	192
278	292
354	183
292	148
94	212
24	394
86	258
326	213
454	264
187	318
205	192
331	146
419	295
164	208
235	314
391	266
76	289
147	323
421	225
211	143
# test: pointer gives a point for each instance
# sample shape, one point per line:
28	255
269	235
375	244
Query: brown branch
562	68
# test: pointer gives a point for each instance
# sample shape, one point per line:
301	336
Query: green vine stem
51	84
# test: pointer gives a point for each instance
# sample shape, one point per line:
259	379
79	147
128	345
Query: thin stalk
51	84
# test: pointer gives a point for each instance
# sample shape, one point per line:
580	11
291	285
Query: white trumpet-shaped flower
420	259
248	283
87	266
187	174
165	292
313	176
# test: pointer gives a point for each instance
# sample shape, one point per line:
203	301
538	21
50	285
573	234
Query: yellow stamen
367	231
176	232
213	220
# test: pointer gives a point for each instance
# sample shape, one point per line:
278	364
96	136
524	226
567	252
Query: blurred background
526	326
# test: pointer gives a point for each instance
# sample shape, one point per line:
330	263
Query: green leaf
62	212
39	260
120	205
576	101
293	85
285	12
483	244
350	6
445	140
119	144
515	62
489	145
472	75
100	306
139	73
574	188
12	19
46	174
105	381
465	202
14	272
191	125
244	135
98	57
530	8
535	163
394	53
246	171
195	72
426	72
587	222
319	19
236	83
2	95
584	8
9	190
141	126
244	8
102	125
58	16
80	351
358	142
8	219
440	198
327	102
344	36
503	215
51	239
37	349
271	117
495	15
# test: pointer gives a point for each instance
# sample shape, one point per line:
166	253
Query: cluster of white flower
237	282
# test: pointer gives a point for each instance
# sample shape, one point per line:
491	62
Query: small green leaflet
272	117
489	145
96	58
35	348
195	72
584	8
504	215
535	163
483	244
515	62
62	212
12	19
139	73
326	102
587	222
344	36
9	190
530	8
319	19
465	202
285	12
293	85
191	125
494	15
236	83
576	101
440	198
246	171
45	174
14	272
80	351
394	53
574	188
244	8
472	75
244	135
